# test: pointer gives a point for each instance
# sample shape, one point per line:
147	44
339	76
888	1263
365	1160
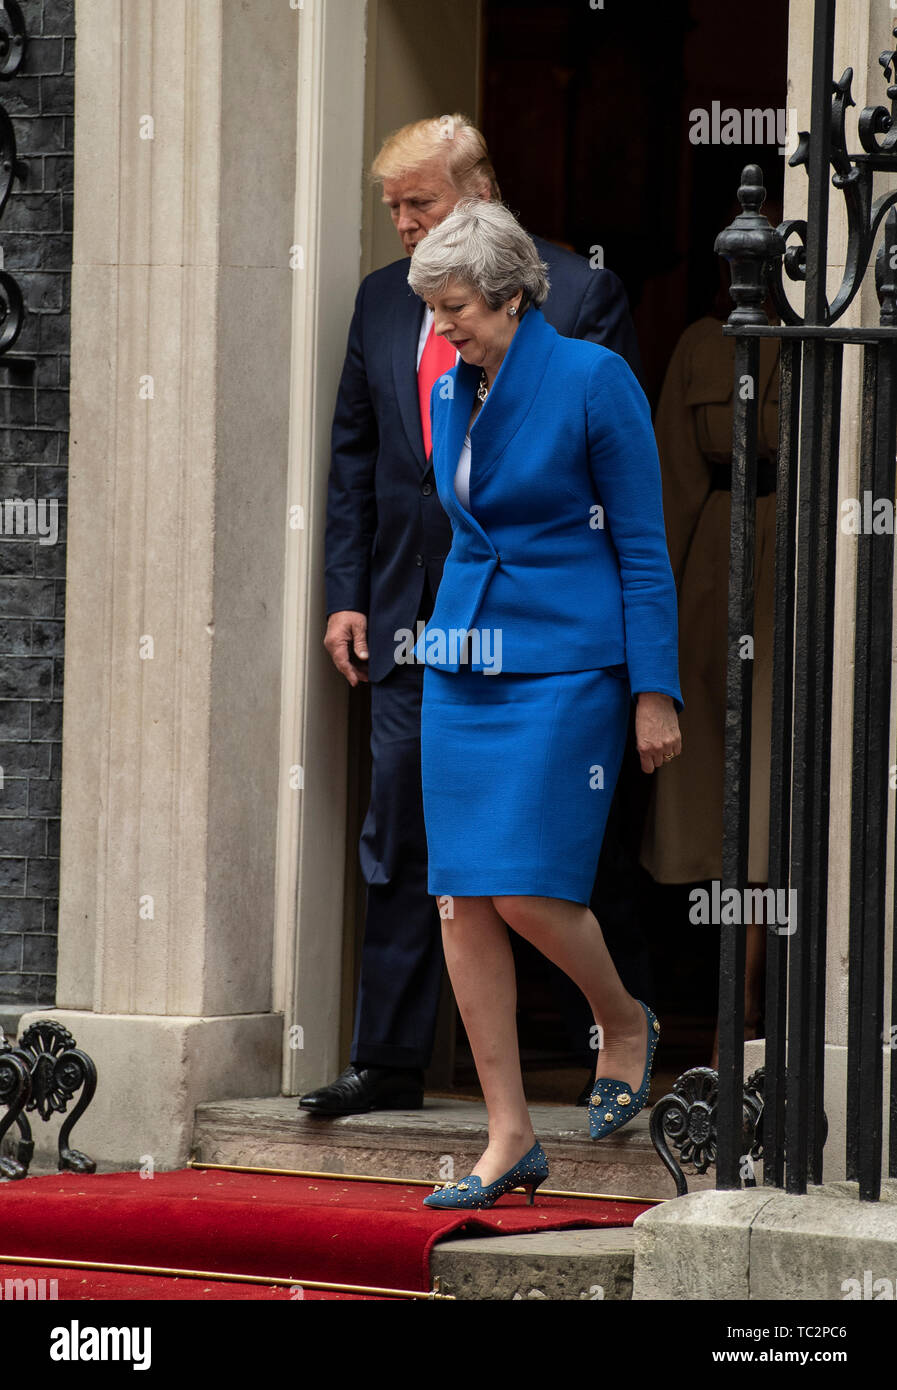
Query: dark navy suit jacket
386	527
562	563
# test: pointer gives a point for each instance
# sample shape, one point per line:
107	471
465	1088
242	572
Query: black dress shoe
585	1094
359	1089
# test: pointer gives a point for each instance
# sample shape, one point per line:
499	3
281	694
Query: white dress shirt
462	475
424	333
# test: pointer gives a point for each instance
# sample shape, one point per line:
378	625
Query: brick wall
35	234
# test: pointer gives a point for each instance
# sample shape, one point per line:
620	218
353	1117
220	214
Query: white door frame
312	799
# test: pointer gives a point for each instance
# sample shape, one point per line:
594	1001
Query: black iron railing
779	1115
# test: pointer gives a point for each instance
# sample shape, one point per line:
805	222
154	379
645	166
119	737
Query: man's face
418	200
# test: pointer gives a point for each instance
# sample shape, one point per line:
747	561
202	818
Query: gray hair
482	244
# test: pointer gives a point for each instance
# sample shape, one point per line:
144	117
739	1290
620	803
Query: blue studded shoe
613	1104
530	1172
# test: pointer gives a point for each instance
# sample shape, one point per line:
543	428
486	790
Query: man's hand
346	633
657	733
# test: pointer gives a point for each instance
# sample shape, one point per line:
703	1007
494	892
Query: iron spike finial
749	244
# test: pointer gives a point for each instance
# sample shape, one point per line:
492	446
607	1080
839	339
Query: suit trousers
402	959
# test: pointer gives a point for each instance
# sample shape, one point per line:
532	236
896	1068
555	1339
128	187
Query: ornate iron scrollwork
686	1118
853	175
12	39
886	273
12	51
43	1073
12	311
15	1091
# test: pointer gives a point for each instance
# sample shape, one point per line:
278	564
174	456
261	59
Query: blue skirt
518	772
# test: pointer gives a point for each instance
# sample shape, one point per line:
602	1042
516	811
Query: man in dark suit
386	542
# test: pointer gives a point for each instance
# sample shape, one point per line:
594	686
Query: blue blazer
565	548
386	530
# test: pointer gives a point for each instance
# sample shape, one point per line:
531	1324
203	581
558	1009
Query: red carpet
327	1230
97	1285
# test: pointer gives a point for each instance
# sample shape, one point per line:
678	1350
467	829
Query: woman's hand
657	733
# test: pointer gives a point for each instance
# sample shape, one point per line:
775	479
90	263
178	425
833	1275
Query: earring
513	310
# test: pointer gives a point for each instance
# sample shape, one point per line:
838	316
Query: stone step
439	1142
558	1265
442	1141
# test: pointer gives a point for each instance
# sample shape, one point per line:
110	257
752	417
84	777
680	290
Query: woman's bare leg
481	968
568	934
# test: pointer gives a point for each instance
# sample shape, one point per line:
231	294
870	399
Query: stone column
185	164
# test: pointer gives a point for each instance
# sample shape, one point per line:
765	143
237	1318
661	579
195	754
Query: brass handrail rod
217	1276
413	1182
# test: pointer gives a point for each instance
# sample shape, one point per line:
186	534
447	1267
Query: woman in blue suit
557	606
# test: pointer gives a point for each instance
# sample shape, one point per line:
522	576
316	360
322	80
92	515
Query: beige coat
682	840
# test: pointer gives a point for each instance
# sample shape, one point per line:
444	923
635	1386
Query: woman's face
464	319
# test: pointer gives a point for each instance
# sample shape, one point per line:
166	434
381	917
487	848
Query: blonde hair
454	139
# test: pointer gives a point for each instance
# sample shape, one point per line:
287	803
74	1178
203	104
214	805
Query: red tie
437	359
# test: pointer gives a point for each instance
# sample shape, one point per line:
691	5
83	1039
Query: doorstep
439	1142
575	1266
